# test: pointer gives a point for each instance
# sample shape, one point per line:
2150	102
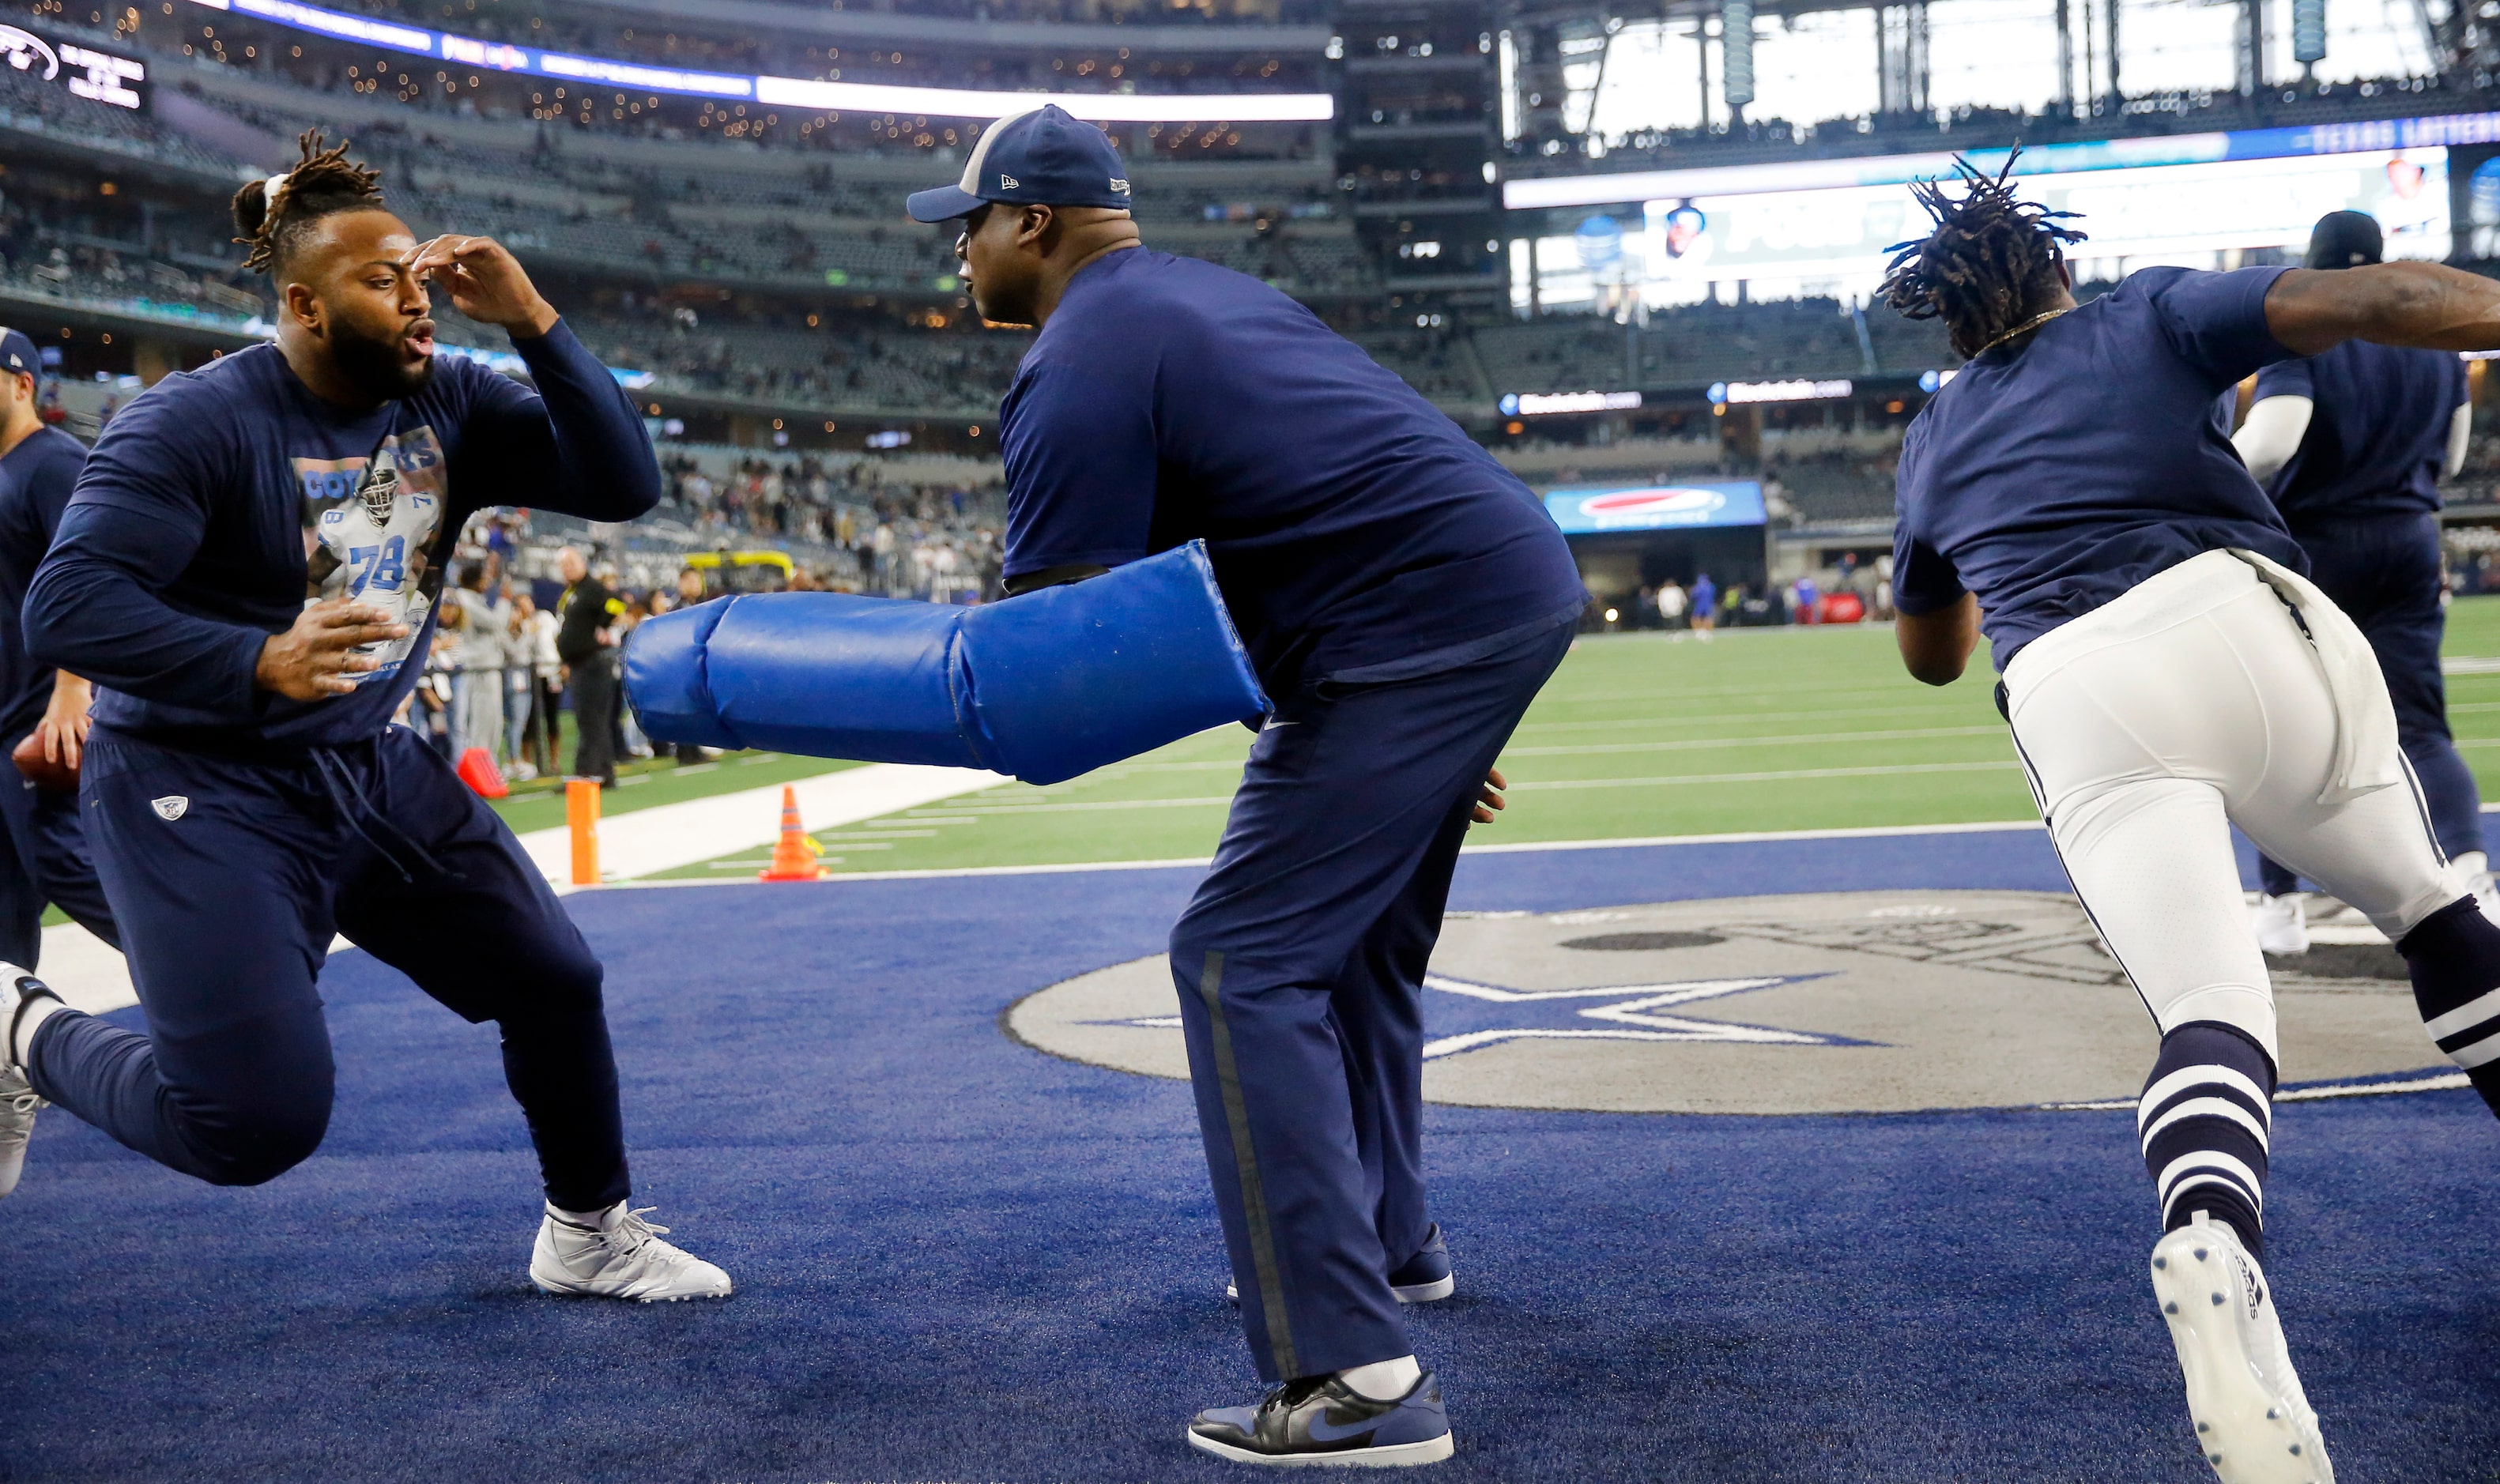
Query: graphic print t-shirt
373	527
223	499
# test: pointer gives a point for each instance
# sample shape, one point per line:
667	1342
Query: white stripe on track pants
2149	726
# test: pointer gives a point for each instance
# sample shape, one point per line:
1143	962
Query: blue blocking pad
834	675
1043	686
663	675
1070	678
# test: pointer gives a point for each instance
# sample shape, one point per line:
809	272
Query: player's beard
377	367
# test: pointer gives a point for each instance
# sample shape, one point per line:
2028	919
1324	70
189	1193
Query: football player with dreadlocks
248	562
2169	671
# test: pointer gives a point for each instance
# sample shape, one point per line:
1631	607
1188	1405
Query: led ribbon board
1827	227
785	92
1588	510
97	76
2381	136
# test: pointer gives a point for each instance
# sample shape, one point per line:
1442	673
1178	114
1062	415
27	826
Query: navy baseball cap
17	354
1044	158
2345	239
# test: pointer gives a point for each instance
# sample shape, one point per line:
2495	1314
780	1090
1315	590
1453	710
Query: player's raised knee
255	1144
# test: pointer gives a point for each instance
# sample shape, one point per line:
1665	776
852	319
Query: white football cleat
2252	1423
2281	923
19	1102
18	1106
620	1258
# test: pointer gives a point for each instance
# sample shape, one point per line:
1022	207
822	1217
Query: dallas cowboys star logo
1468	1016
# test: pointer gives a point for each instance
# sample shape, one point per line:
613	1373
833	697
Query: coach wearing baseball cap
1403	598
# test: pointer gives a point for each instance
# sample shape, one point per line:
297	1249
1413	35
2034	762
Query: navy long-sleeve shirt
219	504
36	478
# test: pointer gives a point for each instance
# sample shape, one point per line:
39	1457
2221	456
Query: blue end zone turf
959	1259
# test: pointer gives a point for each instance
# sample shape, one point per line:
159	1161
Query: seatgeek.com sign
1588	511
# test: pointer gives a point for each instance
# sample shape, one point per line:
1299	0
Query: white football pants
2151	725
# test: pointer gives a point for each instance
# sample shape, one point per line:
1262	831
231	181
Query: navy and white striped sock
2204	1120
2455	957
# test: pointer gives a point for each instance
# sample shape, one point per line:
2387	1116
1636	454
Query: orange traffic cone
794	854
478	769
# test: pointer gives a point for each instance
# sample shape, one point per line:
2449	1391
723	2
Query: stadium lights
1934	380
789	93
1736	393
1539	403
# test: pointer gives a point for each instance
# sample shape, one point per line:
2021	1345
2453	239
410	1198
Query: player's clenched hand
316	658
484	280
1489	798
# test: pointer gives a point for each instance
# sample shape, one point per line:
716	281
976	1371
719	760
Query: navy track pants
229	878
1300	970
44	858
2383	571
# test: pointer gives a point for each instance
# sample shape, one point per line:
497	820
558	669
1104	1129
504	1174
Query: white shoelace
25	1104
632	1233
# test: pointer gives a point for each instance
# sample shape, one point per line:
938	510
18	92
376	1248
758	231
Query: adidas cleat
1422	1278
1321	1422
2253	1424
620	1258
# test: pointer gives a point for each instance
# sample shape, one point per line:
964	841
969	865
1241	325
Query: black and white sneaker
19	1102
1320	1421
1424	1278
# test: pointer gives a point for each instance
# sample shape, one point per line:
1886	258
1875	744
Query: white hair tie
269	188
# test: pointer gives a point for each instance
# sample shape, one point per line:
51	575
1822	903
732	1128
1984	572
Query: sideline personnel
49	860
1403	598
249	570
586	640
43	853
2352	445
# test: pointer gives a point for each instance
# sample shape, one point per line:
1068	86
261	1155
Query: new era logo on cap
1044	158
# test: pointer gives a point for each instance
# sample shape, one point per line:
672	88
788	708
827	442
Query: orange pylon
581	812
794	854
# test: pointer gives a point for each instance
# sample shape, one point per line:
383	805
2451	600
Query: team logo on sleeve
372	526
170	808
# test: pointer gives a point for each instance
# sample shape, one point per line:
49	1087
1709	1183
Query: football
46	773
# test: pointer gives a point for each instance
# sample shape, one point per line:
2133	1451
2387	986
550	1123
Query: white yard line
1703	744
667	836
1784	775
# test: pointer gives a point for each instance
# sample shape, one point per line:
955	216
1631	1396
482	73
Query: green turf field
1638	735
539	805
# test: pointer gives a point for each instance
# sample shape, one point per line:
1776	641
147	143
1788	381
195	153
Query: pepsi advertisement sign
1586	512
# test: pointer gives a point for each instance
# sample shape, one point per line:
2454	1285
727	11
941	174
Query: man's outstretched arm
2426	305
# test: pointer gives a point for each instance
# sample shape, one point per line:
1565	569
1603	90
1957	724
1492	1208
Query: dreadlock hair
1990	261
273	216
